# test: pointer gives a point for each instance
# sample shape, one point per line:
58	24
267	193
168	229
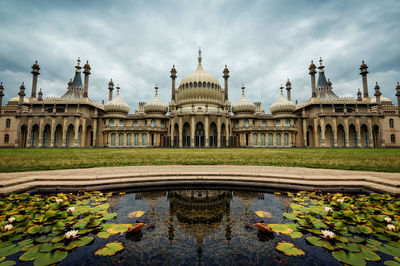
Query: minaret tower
21	93
110	90
288	88
35	73
312	73
2	94
173	77
226	76
86	71
398	96
363	73
377	93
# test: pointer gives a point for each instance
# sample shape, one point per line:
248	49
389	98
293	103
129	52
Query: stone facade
199	115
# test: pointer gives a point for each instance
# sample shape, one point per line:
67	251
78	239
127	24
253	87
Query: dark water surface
206	227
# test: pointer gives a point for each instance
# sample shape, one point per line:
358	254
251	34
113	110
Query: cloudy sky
263	43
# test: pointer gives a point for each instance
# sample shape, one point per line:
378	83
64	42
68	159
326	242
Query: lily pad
50	258
103	235
263	214
31	254
316	241
289	249
136	214
110	249
281	228
349	258
391	263
9	250
295	234
33	229
369	255
8	263
118	228
83	241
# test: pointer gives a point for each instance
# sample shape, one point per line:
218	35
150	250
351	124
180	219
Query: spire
199	67
321	76
281	88
288	88
156	89
118	90
243	87
321	67
78	67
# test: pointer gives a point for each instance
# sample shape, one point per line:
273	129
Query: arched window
391	123
121	140
195	84
278	139
199	84
135	123
286	139
121	122
246	123
153	123
264	123
136	140
162	123
237	124
8	123
270	140
278	123
262	139
212	85
287	123
113	136
392	138
190	84
6	138
111	122
208	84
204	84
144	140
129	139
255	140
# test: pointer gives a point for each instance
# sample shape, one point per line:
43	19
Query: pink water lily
59	200
71	234
328	209
340	200
11	219
8	227
327	234
71	209
388	219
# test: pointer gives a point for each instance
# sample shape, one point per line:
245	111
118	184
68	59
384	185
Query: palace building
200	114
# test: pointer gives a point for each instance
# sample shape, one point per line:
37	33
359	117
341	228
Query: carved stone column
206	128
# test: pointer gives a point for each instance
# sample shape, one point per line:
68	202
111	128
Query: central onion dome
243	105
200	87
117	105
282	105
155	105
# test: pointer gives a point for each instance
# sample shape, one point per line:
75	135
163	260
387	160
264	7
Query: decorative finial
118	89
79	60
23	83
312	62
362	62
156	88
173	66
35	61
281	88
199	58
320	61
226	66
243	87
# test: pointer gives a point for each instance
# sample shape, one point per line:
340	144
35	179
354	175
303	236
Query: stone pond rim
153	177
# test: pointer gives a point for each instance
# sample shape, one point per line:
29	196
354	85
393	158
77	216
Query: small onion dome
87	64
117	105
282	105
312	65
383	99
155	105
243	105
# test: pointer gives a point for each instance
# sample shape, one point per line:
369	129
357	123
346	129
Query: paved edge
154	177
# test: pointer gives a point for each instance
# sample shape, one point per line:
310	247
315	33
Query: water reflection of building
151	197
247	198
199	213
284	199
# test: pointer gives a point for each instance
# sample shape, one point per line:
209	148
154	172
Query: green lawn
387	160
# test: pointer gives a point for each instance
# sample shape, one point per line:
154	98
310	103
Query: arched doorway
212	135
310	137
364	136
89	137
319	137
80	136
136	140
375	134
24	133
255	139
341	136
46	136
186	135
199	135
262	140
223	135
69	140
175	141
353	136
329	142
35	136
58	136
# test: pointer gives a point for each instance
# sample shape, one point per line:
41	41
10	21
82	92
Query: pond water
207	227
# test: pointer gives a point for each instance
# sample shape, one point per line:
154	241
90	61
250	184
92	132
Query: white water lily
391	227
71	209
11	219
388	219
8	227
71	234
328	209
327	234
59	200
340	200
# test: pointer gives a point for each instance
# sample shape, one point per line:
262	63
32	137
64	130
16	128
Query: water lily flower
71	209
71	234
340	200
11	219
328	209
391	227
388	219
327	234
8	227
59	200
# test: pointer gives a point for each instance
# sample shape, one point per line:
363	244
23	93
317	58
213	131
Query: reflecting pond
211	227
